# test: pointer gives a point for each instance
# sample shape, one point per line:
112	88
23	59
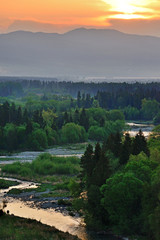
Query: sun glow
128	9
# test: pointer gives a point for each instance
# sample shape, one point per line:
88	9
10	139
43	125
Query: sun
128	9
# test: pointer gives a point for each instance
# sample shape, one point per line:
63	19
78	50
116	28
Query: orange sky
49	15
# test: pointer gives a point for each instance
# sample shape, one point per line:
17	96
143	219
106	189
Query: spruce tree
84	121
126	149
79	99
140	144
113	144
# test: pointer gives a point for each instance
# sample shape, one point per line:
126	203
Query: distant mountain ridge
84	52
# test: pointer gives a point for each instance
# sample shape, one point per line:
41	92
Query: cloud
137	26
35	26
63	15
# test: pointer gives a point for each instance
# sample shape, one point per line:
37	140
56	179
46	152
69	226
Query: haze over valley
81	52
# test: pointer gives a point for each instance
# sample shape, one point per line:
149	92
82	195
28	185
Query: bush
45	164
73	133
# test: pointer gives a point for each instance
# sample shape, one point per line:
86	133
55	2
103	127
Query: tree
126	149
66	118
25	116
88	102
84	121
19	116
140	144
79	99
95	170
37	117
97	133
49	117
37	140
113	144
116	115
10	137
102	166
73	133
76	116
87	163
122	199
149	109
29	127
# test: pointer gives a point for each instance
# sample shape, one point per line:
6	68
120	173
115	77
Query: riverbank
12	227
47	210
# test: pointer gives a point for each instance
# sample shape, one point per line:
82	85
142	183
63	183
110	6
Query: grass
44	165
4	184
7	159
59	193
54	174
15	228
58	189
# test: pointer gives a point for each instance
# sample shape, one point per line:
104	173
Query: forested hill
84	52
10	86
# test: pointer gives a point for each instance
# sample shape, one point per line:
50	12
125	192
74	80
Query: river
135	127
49	216
70	149
73	225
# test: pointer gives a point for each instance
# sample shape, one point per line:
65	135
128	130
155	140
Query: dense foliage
44	165
24	128
120	186
119	180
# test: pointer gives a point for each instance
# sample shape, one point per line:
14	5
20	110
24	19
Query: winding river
73	225
70	150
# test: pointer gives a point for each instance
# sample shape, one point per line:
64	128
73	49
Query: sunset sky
133	16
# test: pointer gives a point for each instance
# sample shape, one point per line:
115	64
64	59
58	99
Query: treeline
23	128
119	187
11	89
134	106
138	101
131	91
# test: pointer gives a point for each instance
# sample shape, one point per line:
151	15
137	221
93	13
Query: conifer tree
113	144
19	116
76	116
126	149
79	99
84	121
66	118
140	144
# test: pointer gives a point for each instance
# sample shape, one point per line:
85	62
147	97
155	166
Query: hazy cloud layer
63	15
137	26
134	26
80	52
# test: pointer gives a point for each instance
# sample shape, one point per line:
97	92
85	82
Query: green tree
79	99
123	202
150	108
37	140
84	121
10	137
73	133
126	149
139	144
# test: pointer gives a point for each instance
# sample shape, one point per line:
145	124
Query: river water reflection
50	217
73	225
135	127
70	150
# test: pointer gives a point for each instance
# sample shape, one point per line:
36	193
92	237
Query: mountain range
81	52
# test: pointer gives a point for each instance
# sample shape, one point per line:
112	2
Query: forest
115	185
46	113
119	186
